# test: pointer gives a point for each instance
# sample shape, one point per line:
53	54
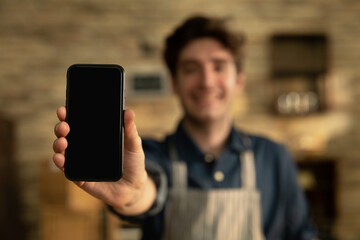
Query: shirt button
219	176
209	158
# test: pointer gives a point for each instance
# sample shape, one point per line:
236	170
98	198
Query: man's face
206	80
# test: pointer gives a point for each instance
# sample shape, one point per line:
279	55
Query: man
207	180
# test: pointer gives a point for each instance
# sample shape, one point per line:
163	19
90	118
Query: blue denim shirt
284	209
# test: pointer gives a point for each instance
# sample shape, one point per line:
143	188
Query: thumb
132	138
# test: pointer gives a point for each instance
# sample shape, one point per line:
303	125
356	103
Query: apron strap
247	162
178	168
248	169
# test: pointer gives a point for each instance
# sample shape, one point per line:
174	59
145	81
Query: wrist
142	200
139	192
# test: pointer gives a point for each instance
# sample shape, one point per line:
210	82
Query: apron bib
195	214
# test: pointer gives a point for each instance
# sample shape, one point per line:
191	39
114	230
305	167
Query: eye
190	68
219	67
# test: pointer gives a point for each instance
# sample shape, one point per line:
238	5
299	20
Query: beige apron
213	214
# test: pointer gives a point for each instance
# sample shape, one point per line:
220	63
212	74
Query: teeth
204	99
207	96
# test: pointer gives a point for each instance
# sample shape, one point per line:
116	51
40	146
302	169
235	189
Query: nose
208	77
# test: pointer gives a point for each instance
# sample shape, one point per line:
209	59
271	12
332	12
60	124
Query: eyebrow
194	61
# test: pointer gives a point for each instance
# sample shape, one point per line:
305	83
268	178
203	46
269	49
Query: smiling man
206	82
207	180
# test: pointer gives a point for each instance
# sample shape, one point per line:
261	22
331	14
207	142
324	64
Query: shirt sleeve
297	222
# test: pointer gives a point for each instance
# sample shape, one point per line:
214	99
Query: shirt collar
187	145
237	142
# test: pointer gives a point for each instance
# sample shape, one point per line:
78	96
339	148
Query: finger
61	129
132	138
80	183
59	160
61	113
60	145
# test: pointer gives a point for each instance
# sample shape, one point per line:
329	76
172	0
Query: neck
211	136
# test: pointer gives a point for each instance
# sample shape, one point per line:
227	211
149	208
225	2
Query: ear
240	81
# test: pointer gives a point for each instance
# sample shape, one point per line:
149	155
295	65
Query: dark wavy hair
200	27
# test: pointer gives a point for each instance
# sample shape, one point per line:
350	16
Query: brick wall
40	39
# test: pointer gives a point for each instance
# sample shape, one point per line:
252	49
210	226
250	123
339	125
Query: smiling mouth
206	99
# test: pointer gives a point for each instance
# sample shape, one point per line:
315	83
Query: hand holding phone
135	192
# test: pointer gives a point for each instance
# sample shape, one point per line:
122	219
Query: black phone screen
94	105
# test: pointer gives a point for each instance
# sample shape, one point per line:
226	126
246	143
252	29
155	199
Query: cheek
230	90
234	84
186	86
181	90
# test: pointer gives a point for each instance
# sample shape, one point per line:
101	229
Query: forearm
143	203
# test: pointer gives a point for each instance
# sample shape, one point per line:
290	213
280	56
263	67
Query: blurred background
302	70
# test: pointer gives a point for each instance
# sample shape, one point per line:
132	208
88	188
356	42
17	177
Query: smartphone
94	112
